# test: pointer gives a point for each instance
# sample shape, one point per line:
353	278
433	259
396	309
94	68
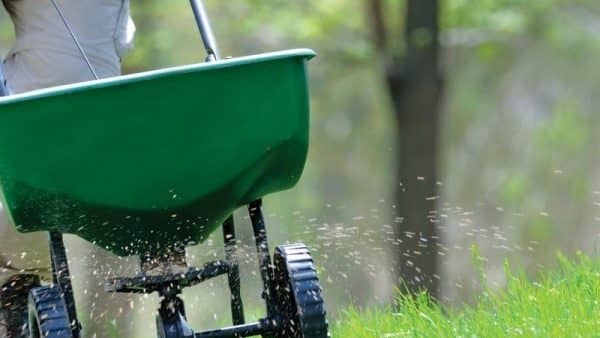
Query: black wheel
298	293
48	315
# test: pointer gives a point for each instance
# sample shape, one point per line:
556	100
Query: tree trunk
415	86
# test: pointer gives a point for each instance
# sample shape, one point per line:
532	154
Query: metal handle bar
206	33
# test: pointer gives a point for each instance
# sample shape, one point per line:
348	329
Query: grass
563	303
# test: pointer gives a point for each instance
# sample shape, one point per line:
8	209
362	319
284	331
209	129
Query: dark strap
3	86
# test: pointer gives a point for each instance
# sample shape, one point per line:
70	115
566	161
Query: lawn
562	303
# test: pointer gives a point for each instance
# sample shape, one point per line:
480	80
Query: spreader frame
170	286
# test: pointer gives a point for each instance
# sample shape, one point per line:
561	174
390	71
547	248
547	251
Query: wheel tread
303	289
47	308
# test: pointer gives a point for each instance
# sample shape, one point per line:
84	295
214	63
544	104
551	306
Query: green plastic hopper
137	163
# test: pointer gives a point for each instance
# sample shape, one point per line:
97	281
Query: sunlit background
520	167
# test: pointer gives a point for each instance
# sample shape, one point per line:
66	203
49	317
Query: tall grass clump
563	303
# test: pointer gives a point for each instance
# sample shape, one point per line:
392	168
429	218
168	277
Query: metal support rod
233	277
206	33
151	283
62	278
263	327
264	258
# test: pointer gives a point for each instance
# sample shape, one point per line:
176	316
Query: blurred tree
414	83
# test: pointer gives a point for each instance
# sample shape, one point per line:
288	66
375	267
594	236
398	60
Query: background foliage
521	174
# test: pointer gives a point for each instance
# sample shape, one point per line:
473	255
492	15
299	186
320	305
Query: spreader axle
264	326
